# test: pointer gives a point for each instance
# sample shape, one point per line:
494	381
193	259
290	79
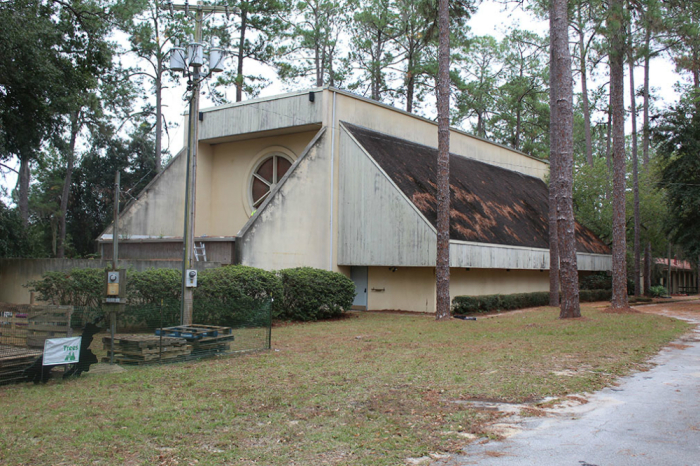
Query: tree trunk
647	268
410	85
317	64
518	125
160	57
584	90
553	159
645	129
563	112
241	55
65	194
668	284
442	267
23	182
159	114
617	60
635	188
608	137
331	73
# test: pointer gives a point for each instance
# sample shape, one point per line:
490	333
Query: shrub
312	294
229	283
235	293
589	296
79	287
596	281
496	302
224	295
154	286
658	291
488	303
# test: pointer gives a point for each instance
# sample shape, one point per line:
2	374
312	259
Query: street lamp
188	59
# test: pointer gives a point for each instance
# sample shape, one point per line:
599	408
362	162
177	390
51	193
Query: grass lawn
369	389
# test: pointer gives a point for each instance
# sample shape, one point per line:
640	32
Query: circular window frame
259	159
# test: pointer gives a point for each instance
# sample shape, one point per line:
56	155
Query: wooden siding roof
489	204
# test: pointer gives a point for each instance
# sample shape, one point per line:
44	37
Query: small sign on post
61	351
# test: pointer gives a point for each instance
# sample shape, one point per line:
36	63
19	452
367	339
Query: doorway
359	277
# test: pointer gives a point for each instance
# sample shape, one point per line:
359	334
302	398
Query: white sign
61	351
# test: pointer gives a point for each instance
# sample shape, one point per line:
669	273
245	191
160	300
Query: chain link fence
133	334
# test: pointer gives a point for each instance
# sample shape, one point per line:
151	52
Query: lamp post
190	61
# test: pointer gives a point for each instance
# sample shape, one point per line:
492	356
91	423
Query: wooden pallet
218	344
143	341
194	331
205	339
32	325
145	349
13	361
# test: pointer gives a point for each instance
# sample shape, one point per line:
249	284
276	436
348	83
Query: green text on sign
61	351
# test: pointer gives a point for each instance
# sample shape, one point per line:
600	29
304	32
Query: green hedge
153	286
234	293
488	303
222	294
596	281
313	294
78	287
589	296
498	302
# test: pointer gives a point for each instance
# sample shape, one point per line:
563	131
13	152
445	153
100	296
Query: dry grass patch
369	389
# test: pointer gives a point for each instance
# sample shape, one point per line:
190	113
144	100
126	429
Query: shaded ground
650	418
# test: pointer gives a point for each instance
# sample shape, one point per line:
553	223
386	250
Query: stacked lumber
13	361
146	349
205	339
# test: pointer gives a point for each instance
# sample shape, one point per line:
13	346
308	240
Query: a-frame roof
489	204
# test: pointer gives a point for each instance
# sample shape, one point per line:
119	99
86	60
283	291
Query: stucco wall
232	167
15	273
159	210
407	289
203	198
388	120
413	288
292	229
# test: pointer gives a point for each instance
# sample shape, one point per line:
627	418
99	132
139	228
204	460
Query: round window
268	173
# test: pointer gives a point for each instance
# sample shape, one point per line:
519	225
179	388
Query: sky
491	19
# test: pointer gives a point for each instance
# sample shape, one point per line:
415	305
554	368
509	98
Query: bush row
304	293
498	302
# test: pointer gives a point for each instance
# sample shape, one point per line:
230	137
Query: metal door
359	277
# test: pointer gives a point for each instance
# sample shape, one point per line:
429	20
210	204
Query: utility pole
195	56
115	228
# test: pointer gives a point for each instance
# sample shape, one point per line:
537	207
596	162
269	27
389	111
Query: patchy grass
369	389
